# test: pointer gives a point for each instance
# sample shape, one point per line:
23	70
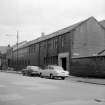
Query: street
16	89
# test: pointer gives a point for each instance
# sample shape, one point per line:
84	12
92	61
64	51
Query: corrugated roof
59	32
21	44
65	30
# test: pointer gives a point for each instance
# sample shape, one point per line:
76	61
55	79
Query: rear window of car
58	67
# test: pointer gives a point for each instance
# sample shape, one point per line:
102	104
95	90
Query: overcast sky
31	17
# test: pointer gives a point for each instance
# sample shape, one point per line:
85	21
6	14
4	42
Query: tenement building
78	48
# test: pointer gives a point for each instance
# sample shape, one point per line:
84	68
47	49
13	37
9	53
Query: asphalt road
16	89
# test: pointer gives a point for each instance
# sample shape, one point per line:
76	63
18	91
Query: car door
43	72
46	71
49	70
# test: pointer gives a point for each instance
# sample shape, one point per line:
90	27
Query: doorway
64	63
63	60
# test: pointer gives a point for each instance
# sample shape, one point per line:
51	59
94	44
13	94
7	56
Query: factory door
63	60
64	63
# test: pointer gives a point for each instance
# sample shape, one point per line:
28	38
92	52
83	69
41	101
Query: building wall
3	62
51	48
88	66
47	51
89	39
19	59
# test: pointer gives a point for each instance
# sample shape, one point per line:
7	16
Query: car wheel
41	75
63	78
23	74
29	74
51	76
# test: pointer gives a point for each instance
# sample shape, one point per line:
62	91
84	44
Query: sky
32	17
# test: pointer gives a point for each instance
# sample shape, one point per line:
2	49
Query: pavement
97	81
7	71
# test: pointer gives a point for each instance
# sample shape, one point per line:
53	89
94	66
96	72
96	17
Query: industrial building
78	48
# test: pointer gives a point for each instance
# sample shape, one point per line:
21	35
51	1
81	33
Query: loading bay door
63	60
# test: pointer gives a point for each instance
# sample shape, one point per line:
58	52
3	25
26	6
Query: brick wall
88	67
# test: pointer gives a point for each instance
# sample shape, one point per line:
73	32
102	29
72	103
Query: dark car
31	70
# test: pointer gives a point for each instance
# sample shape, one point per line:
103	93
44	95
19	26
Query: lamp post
17	46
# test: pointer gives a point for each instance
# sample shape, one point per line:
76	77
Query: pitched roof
21	44
102	23
59	32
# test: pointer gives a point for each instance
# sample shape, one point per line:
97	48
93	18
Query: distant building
13	54
3	60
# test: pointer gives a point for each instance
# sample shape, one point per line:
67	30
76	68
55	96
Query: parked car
53	71
10	69
31	70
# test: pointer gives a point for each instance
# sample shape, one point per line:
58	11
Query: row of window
52	43
20	62
51	60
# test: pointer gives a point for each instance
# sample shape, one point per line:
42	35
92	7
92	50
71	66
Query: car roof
54	66
32	66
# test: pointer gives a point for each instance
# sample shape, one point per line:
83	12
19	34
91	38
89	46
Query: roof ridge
102	21
59	32
73	26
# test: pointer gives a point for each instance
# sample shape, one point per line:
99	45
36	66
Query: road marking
10	97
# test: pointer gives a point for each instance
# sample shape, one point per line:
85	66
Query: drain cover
99	100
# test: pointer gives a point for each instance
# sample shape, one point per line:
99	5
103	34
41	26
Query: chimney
42	34
8	45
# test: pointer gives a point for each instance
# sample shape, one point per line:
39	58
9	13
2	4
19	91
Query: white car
53	71
31	70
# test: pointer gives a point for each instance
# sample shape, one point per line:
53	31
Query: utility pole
17	47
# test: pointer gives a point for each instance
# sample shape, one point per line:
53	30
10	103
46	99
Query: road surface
16	89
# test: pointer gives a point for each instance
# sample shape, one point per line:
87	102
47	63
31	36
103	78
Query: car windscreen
34	67
58	68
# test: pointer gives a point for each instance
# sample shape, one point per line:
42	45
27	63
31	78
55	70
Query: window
62	41
30	50
34	47
50	44
44	44
45	60
51	68
55	59
55	43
